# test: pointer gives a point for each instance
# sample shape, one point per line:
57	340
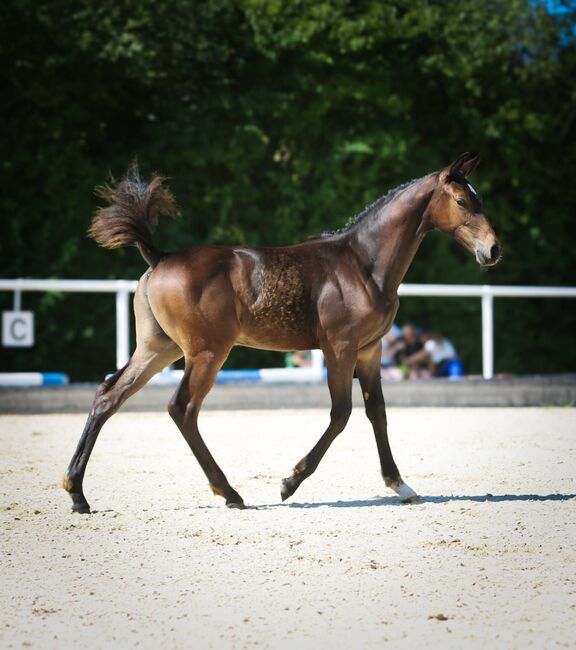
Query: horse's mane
369	210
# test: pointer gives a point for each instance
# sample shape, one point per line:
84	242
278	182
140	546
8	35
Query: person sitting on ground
437	358
391	344
412	364
299	359
443	355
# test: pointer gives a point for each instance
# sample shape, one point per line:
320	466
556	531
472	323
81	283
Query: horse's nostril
495	252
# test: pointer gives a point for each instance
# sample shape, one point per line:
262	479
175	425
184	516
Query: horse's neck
388	241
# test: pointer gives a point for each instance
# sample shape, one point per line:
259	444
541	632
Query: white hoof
405	492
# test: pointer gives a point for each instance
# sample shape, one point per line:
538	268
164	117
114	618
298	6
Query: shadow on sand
394	501
381	501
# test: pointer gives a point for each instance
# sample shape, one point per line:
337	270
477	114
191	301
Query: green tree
276	120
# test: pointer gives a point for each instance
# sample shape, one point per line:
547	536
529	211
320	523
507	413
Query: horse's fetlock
339	416
67	483
217	491
390	481
341	412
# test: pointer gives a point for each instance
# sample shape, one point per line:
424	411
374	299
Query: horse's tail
132	213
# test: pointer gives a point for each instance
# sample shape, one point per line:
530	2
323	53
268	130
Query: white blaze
472	189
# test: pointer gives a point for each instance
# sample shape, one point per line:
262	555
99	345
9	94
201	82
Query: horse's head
456	208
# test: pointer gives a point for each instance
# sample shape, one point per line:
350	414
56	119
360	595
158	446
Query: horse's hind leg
154	351
199	376
368	371
111	394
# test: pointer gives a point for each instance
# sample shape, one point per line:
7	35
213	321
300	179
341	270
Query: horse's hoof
405	492
79	503
81	508
287	489
236	505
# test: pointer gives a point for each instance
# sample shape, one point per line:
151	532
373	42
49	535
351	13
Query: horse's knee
376	412
339	416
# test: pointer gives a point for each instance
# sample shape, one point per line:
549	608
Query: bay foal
337	292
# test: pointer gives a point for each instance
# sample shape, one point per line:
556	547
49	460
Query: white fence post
318	360
122	324
487	332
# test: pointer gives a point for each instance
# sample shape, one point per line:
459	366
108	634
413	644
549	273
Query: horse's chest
376	321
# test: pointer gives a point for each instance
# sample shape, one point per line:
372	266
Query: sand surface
486	560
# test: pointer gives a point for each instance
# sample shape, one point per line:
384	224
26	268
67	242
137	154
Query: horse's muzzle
489	256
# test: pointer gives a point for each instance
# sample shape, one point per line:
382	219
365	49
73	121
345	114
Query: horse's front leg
340	366
368	372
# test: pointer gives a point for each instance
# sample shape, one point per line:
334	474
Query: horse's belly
274	336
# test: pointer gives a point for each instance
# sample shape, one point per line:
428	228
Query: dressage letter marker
17	329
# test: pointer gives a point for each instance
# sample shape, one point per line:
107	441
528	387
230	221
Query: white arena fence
122	289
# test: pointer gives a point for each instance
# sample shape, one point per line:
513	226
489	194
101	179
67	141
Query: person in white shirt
437	358
391	344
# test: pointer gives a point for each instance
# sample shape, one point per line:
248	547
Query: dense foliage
277	119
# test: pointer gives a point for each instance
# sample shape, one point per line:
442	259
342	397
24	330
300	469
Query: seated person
298	359
413	362
437	358
443	356
391	344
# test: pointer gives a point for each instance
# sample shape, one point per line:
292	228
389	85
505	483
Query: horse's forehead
465	183
471	188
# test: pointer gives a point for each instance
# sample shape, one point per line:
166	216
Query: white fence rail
122	289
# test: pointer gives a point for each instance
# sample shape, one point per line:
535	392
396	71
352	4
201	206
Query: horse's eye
461	202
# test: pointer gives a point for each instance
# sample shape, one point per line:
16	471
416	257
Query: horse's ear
463	165
469	165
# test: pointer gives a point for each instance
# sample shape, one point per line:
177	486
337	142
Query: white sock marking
404	491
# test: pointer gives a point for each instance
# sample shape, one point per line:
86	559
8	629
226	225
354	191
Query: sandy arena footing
487	559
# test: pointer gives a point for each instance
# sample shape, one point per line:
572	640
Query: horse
336	292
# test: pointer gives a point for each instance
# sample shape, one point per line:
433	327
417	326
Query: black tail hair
132	213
